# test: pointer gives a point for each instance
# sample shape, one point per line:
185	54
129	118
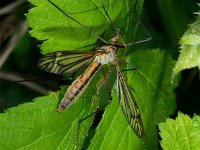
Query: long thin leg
108	17
81	120
106	83
148	38
84	27
133	67
99	109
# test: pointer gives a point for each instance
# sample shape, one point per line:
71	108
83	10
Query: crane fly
71	61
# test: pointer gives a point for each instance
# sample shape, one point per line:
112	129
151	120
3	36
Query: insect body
69	62
103	56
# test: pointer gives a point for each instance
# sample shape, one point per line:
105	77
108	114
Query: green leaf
190	49
181	134
153	92
38	125
60	33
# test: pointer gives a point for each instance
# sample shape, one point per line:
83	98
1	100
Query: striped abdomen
78	86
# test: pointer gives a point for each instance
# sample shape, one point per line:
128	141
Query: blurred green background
165	20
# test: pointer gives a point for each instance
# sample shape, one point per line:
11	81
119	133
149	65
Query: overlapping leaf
181	133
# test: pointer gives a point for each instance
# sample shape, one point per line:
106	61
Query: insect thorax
107	54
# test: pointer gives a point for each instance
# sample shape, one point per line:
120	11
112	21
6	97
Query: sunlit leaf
181	133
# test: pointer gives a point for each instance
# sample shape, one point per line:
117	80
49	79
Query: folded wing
64	63
128	105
